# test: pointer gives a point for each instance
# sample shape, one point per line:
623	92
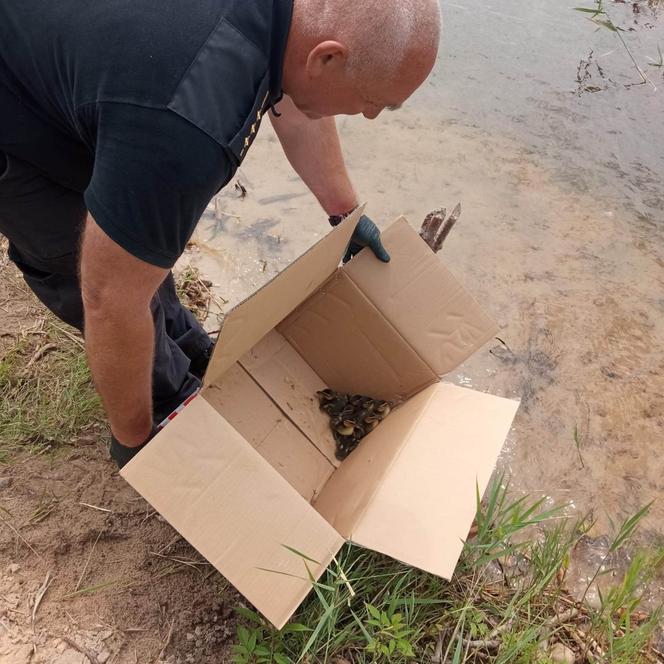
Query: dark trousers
42	220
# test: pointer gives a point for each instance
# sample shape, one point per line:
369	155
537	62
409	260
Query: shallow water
561	235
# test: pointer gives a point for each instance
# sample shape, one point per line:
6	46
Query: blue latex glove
366	235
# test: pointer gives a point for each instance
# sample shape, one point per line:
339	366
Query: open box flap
220	494
424	506
350	490
423	300
247	323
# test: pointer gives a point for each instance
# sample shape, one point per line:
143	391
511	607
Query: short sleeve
153	177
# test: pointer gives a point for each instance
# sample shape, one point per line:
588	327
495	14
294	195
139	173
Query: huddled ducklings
352	417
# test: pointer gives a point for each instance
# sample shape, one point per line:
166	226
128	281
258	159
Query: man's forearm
120	348
117	289
314	151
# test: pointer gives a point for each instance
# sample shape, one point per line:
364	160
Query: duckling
345	445
383	410
359	400
325	395
331	402
345	428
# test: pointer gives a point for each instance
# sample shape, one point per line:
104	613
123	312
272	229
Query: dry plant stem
437	656
175	540
194	564
351	592
589	641
82	649
87	562
25	541
644	78
482	644
564	617
39	595
39	353
94	507
492	643
77	340
218	212
583	647
168	640
469	600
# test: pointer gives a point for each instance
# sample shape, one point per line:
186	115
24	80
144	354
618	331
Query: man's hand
117	289
366	235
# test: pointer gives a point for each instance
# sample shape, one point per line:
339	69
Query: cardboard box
247	472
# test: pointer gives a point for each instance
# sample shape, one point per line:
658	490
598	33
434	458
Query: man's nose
372	114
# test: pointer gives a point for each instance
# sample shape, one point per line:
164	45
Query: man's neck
298	45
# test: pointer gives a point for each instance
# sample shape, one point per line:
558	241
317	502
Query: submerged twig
435	228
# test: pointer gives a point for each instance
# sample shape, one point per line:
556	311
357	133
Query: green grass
506	604
47	397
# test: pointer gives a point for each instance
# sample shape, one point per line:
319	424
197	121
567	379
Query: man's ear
327	55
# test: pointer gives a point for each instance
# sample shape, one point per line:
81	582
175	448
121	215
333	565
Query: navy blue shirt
147	107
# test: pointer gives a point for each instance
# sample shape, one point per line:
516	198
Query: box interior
336	339
394	476
387	334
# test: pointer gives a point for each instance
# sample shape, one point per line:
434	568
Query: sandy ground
146	596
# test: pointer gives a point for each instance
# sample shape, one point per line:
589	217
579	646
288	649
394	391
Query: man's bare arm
314	151
119	331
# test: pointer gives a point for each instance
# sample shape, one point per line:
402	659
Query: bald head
379	34
359	56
